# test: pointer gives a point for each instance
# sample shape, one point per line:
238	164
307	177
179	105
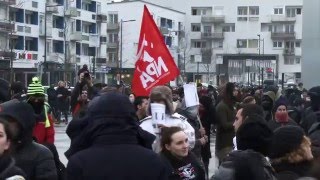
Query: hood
23	113
271	95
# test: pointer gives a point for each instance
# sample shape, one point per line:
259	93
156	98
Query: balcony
76	36
6	26
282	18
283	35
52	9
101	17
112	44
216	35
8	2
113	27
213	19
112	64
289	52
71	12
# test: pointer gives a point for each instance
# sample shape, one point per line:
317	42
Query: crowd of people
261	133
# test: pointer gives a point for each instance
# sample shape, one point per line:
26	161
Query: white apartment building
223	36
169	21
74	34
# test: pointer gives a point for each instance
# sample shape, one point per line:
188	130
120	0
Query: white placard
190	95
158	112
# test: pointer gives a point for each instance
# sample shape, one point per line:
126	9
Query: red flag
155	65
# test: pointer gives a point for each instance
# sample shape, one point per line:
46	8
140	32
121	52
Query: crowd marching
261	133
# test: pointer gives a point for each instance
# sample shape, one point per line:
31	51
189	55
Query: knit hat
35	87
254	134
285	140
280	102
162	93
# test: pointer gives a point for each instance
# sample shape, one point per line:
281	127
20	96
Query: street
62	143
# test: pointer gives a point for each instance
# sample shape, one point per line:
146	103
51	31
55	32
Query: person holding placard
161	114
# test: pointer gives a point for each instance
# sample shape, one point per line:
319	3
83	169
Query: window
298	60
166	23
242	43
242	19
229	28
196	27
199	11
291	12
34	4
207	29
289	28
277	44
289	45
278	11
57	46
113	18
242	10
112	57
28	18
253	43
289	60
298	43
197	44
192	58
113	37
85	28
78	48
220	44
85	49
168	40
254	10
299	11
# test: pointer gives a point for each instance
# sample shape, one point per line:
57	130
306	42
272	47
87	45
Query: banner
155	65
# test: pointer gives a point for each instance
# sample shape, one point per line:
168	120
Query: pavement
62	143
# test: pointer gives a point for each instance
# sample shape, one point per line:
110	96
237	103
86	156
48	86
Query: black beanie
285	140
254	134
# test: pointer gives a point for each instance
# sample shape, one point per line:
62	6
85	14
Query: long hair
8	133
166	134
227	93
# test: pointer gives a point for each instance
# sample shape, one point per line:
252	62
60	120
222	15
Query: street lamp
262	69
120	65
45	39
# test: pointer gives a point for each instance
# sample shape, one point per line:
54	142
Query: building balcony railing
164	30
52	9
209	35
76	36
100	60
113	26
71	12
112	64
6	26
282	18
206	51
8	2
101	18
289	52
213	19
112	44
283	35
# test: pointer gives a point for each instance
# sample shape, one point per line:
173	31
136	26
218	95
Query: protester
281	117
79	110
249	100
242	114
225	118
52	99
62	102
312	114
111	145
175	154
207	113
131	98
249	161
34	159
8	169
290	153
4	90
44	129
18	91
141	104
163	95
267	102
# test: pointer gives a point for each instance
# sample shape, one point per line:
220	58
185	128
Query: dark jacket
314	135
273	125
63	102
246	164
186	168
8	168
33	158
225	130
207	120
289	171
110	145
52	97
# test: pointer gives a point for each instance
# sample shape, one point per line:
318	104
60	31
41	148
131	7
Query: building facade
53	37
241	41
125	18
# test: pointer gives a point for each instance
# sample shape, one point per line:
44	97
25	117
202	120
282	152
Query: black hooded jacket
109	144
8	168
33	158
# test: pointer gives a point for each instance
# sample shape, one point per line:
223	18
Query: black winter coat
314	135
183	169
63	102
8	168
289	171
273	125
